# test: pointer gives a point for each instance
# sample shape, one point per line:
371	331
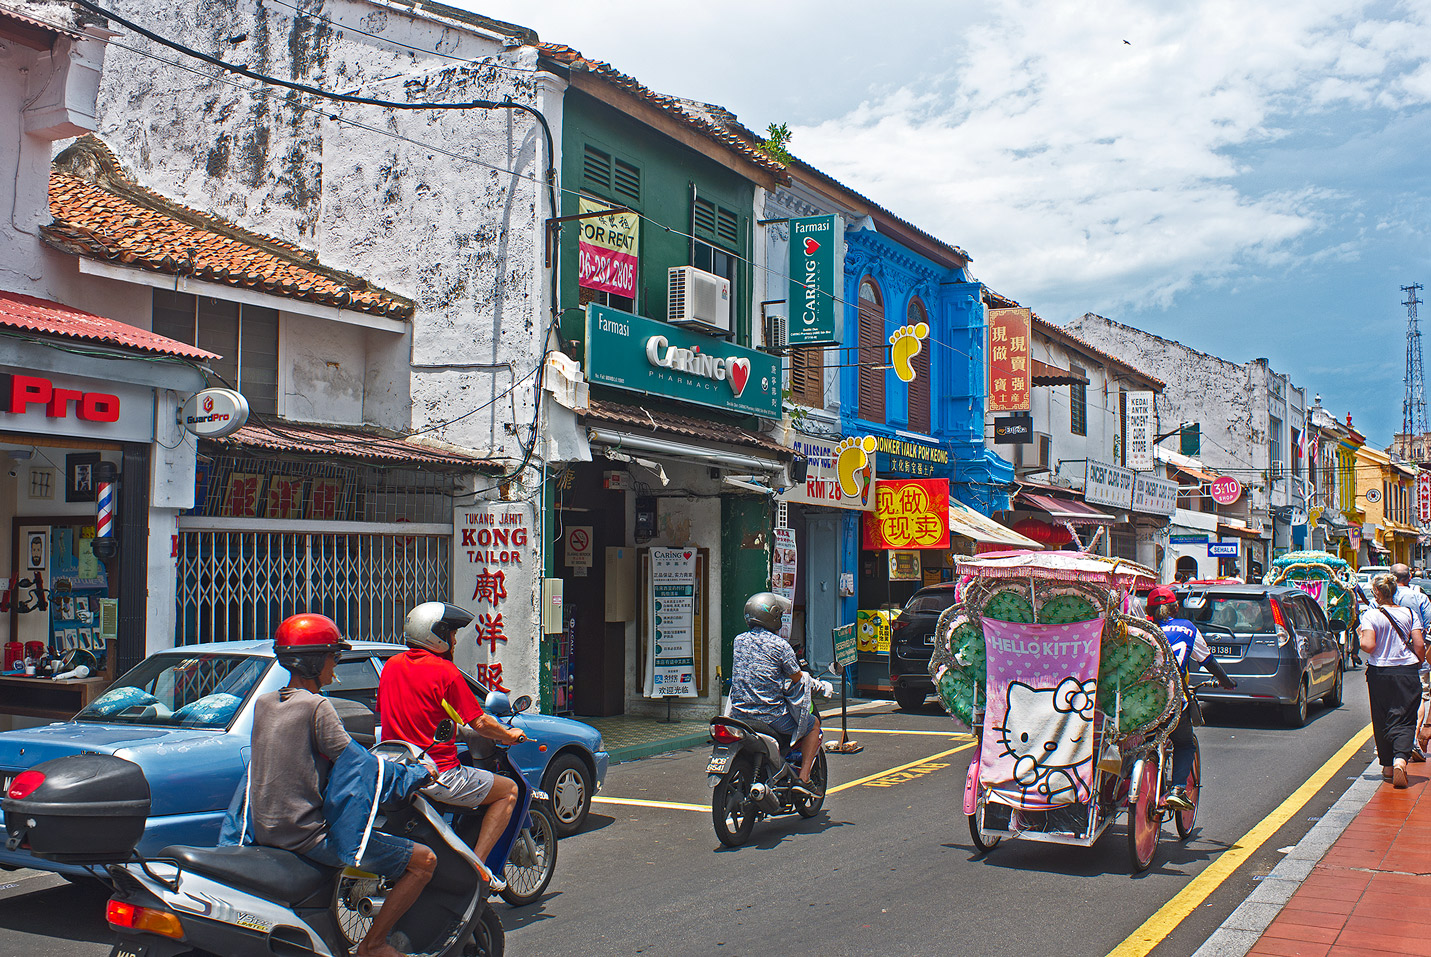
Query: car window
180	691
1296	610
932	602
357	680
1315	616
1235	614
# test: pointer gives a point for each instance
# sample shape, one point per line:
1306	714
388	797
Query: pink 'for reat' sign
1225	490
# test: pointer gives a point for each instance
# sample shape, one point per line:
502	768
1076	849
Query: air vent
695	297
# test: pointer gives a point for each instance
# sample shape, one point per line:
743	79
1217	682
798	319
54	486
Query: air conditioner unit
697	298
777	334
1030	457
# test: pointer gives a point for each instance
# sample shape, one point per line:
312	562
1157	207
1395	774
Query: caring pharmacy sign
656	358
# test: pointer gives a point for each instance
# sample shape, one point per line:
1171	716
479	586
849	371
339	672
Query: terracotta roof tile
670	423
1003	302
669	104
327	440
100	212
54	319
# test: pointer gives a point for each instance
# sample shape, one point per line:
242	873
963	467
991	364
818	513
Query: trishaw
1328	579
1072	695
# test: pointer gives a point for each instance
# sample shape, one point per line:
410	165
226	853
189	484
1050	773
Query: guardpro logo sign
811	296
214	413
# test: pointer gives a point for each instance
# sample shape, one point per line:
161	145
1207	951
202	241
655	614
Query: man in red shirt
422	686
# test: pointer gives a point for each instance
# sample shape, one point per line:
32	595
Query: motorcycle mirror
445	731
497	703
831	669
521	704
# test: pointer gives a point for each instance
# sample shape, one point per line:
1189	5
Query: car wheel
909	699
569	784
1333	698
1295	714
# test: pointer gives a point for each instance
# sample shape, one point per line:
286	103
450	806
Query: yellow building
1386	495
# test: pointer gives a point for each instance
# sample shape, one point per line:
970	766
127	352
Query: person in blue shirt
1186	642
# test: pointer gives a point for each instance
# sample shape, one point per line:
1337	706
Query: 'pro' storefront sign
812	281
51	404
657	358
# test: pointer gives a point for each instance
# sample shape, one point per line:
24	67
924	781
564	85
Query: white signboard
494	576
1140	431
671	617
824	483
578	546
1105	484
1154	495
782	578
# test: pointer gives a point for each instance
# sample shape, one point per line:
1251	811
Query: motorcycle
246	900
525	855
755	774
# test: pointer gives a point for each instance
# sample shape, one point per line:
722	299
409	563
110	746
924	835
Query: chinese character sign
909	513
607	250
1009	359
494	569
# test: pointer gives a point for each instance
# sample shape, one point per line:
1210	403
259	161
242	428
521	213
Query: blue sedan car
186	715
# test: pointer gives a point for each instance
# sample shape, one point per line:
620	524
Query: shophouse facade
1386	493
1330	463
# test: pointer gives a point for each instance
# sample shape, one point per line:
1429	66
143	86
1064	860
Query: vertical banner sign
671	612
813	244
1140	431
606	253
494	568
782	573
1009	333
1423	498
909	513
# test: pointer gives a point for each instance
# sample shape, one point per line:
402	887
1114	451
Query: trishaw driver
1187	642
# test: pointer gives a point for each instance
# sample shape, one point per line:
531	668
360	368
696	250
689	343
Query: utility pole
1413	407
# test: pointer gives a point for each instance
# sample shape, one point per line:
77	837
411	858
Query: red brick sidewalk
1370	895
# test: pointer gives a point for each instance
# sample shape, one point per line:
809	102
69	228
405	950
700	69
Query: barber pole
104	521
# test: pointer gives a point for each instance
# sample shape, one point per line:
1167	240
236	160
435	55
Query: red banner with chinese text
909	513
1009	365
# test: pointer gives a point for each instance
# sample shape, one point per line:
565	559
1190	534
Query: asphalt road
887	868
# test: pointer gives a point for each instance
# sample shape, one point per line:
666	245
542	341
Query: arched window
871	352
919	389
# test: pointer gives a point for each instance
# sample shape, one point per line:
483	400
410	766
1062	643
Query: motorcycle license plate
127	948
1225	651
720	761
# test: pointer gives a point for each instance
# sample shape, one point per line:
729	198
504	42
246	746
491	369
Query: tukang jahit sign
811	297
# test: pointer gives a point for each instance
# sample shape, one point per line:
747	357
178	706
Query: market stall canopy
1070	565
1067	509
965	521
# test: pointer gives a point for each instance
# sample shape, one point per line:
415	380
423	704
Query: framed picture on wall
81	474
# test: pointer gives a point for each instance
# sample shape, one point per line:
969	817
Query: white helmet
432	624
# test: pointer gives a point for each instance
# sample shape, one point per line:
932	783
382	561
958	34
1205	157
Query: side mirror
521	704
498	703
1337	624
445	731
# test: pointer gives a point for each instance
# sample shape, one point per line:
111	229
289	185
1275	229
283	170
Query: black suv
911	642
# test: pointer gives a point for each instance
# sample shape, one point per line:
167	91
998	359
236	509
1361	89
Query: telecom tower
1413	407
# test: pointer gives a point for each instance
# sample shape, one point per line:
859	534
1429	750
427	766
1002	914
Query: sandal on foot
1398	777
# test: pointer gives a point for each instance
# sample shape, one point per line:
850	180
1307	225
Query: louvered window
610	177
703	214
626	182
1078	402
807	377
872	353
596	169
245	338
921	388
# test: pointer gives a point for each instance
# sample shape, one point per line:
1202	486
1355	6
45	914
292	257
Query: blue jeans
385	855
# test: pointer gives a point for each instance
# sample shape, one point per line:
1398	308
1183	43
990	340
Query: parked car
1366	573
185	716
911	643
1274	640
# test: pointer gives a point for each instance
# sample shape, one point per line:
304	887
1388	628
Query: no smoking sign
578	546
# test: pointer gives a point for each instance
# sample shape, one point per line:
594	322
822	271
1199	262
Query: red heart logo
810	246
688	554
737	373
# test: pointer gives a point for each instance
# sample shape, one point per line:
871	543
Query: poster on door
671	620
494	569
782	573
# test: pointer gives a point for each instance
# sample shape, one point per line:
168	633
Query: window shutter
596	169
626	182
258	359
1078	403
871	354
704	216
807	377
921	388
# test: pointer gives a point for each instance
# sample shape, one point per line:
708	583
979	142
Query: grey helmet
433	624
766	609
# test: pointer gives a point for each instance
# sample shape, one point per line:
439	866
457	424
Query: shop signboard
1105	484
1139	420
840	473
494	576
1187	539
1225	490
214	413
814	245
1016	429
631	352
1154	496
51	404
607	250
671	613
782	573
1423	498
1009	367
909	457
579	553
845	646
905	566
909	513
1223	549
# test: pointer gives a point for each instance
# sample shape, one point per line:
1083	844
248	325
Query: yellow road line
903	767
1156	928
960	735
633	802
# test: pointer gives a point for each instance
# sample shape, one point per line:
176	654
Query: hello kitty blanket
1038	724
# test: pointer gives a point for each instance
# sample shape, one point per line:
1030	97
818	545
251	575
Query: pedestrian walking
1392	636
1411	596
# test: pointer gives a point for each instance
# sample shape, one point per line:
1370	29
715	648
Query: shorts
461	786
786	725
385	855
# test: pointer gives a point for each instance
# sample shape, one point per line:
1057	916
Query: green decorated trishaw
1328	579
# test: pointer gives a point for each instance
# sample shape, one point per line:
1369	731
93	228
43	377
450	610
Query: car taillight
161	922
24	785
1283	635
725	734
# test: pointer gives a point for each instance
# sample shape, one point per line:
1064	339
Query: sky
1251	179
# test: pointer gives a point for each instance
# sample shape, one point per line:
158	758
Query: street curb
1244	926
636	752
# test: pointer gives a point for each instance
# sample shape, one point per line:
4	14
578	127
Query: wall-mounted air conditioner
777	334
1030	457
697	298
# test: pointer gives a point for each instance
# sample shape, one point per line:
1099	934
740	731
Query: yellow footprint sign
854	466
907	342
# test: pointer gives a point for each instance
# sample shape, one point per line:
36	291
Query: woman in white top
1392	640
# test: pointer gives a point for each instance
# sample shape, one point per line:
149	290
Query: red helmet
308	634
1161	595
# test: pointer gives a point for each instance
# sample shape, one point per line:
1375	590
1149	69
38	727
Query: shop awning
660	434
969	523
1045	374
1197	474
1238	529
327	441
29	314
1396	528
1066	509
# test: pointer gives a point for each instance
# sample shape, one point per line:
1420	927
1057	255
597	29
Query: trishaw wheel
1184	820
1144	817
984	845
